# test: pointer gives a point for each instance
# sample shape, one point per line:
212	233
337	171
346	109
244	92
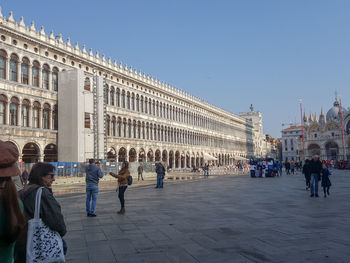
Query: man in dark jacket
307	174
93	175
160	170
315	170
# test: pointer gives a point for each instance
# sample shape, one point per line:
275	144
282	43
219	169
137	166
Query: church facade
324	134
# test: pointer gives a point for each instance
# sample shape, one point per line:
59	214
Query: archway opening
111	155
177	159
122	155
171	159
50	153
332	150
142	155
157	156
30	153
165	156
132	155
150	156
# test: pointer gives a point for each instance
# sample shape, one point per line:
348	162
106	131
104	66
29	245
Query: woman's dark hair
125	167
9	205
38	171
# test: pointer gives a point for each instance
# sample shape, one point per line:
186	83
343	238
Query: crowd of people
265	167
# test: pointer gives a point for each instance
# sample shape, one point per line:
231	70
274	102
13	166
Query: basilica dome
334	112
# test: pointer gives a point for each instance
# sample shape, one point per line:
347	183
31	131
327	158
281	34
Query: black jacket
306	169
315	167
50	213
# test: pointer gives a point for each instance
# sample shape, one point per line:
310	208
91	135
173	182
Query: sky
268	53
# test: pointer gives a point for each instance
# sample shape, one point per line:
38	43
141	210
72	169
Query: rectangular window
87	120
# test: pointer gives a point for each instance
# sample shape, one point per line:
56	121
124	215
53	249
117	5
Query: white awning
208	157
237	157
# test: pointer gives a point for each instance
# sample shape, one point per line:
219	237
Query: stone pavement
220	219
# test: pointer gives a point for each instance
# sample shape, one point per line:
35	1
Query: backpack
130	180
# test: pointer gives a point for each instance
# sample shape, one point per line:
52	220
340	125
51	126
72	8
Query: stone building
291	138
323	134
60	102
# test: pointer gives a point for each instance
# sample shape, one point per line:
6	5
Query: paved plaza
219	219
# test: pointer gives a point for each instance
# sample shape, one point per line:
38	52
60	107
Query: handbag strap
37	203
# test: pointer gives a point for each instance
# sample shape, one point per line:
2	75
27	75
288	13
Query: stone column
19	117
8	68
30	81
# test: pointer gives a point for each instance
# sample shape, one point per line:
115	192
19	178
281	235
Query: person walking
292	167
122	176
325	183
315	170
307	173
140	172
41	175
24	176
287	166
279	168
12	220
160	170
93	175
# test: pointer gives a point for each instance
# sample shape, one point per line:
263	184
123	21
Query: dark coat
306	170
50	213
325	178
315	167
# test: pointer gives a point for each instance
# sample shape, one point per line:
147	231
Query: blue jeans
121	193
160	180
314	183
91	192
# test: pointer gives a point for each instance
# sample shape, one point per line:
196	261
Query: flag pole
342	127
302	123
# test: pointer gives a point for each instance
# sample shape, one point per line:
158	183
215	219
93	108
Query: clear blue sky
230	53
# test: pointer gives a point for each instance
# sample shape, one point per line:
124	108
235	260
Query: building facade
60	102
324	134
291	138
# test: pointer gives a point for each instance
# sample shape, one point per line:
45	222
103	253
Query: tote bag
43	244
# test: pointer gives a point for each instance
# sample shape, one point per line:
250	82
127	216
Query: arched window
25	71
25	113
106	94
113	125
55	79
14	111
14	67
45	76
141	104
150	107
3	58
146	105
35	74
108	123
154	108
112	96
157	109
160	110
54	117
117	102
3	106
123	99
138	130
134	129
87	84
129	128
46	116
137	103
128	100
119	127
132	101
36	114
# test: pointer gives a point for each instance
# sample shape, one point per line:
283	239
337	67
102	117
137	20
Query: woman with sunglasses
41	175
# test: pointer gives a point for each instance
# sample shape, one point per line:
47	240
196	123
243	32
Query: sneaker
316	195
312	195
88	214
93	215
